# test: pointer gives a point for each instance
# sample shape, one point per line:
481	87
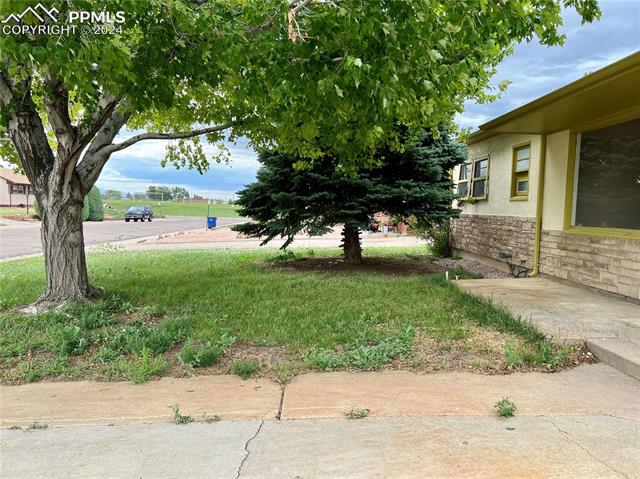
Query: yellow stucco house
553	187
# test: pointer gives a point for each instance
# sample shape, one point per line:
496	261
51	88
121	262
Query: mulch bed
386	266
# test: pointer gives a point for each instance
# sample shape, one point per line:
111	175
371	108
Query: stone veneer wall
611	264
487	235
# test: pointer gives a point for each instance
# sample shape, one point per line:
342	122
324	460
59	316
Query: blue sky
533	70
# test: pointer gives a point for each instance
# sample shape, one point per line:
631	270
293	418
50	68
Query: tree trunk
351	244
63	246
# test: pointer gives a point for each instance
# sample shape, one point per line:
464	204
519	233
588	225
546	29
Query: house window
464	178
17	189
607	177
480	178
520	176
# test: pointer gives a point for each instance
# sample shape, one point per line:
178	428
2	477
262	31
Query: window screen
608	177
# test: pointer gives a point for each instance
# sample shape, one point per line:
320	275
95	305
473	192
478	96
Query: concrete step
622	355
630	332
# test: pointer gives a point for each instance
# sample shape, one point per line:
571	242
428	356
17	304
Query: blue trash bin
211	222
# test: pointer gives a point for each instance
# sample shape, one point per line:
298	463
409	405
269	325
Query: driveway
23	238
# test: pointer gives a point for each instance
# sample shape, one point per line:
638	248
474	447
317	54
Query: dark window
480	176
463	180
18	189
608	177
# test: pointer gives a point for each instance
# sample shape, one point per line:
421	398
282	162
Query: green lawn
185	312
6	211
168	208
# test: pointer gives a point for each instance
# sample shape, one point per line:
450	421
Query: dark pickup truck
136	213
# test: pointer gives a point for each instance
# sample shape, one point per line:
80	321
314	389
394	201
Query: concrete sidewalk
322	395
585	447
583	422
566	312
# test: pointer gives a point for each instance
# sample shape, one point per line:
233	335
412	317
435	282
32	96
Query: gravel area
472	266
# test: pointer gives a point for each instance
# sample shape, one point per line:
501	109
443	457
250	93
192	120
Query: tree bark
351	244
63	245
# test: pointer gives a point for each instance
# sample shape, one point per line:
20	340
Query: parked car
136	213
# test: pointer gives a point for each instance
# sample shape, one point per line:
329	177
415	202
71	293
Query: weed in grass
512	356
461	273
361	354
357	413
105	355
139	335
284	372
479	363
180	418
552	355
150	312
287	256
505	408
34	370
94	319
245	368
203	355
98	314
440	364
210	419
323	359
71	340
144	367
368	357
446	345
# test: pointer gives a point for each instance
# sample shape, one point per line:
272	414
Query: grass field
167	208
171	208
204	312
6	211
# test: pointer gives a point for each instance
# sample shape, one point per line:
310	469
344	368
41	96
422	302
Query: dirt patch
482	352
199	236
387	266
269	358
472	266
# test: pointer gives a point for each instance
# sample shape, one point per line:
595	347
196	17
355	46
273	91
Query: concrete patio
609	325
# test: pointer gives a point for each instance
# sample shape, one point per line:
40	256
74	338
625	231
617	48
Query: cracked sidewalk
583	422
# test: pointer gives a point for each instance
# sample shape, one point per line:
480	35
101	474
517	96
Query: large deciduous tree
287	199
309	76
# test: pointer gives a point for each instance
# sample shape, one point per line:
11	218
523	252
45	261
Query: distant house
15	189
553	187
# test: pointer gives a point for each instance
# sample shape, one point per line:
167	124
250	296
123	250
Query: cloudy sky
533	70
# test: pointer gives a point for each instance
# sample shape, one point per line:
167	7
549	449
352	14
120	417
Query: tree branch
106	106
169	136
295	6
6	93
26	131
97	155
56	102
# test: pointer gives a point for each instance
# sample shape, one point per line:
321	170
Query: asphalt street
23	238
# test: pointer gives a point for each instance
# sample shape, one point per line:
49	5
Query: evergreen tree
287	199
